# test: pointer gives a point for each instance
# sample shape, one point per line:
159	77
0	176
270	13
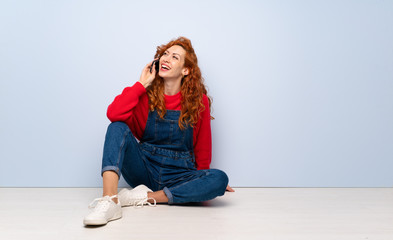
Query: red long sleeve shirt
132	107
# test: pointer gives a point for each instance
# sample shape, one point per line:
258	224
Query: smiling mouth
164	68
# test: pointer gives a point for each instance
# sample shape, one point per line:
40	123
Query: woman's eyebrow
174	53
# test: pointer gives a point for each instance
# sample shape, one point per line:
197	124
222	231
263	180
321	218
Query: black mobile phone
157	65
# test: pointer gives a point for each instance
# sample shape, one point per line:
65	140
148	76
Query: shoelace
101	203
142	202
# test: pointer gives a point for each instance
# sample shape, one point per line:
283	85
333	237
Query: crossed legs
110	183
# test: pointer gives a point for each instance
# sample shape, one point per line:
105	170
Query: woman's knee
221	177
120	129
117	125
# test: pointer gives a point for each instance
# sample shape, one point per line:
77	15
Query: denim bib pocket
168	132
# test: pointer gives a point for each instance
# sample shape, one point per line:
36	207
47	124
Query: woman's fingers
148	66
146	76
152	61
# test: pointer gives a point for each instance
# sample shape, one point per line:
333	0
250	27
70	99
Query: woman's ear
186	72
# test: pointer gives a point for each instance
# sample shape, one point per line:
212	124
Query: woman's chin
163	75
168	76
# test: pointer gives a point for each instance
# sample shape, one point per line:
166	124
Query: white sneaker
104	211
135	197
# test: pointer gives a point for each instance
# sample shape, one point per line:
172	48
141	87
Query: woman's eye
175	57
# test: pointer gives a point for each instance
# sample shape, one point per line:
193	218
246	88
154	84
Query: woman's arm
203	138
122	107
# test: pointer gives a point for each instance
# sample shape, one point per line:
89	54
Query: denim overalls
162	160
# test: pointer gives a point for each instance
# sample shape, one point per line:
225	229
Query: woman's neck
171	87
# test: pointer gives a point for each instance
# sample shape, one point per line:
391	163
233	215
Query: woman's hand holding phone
147	77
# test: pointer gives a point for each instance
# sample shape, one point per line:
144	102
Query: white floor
248	213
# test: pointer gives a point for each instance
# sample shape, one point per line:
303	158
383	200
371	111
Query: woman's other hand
229	189
146	77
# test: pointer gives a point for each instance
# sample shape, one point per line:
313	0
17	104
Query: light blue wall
302	90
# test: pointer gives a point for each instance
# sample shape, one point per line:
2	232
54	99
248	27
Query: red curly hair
192	86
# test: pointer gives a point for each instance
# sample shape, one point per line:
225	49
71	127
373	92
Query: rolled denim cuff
168	195
110	168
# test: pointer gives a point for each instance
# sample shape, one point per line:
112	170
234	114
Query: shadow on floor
210	203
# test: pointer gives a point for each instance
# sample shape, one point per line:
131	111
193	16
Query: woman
169	113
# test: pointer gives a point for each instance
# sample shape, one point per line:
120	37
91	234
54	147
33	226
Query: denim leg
123	155
203	185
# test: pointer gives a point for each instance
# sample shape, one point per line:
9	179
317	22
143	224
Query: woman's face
173	58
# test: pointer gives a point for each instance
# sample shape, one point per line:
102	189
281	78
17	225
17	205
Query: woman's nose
165	59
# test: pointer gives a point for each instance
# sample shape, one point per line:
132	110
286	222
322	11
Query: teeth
163	66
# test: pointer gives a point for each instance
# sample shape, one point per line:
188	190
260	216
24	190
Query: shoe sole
101	222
